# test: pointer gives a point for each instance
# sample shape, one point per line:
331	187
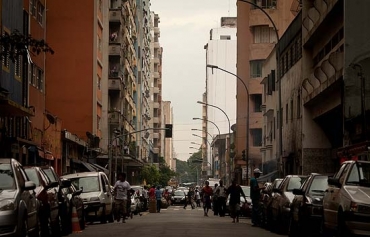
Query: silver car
347	200
18	204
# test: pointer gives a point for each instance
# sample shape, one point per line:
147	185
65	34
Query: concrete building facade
156	91
256	39
168	144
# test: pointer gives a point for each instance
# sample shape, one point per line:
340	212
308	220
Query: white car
346	202
96	195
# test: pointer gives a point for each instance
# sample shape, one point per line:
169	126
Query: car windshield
87	184
247	191
319	185
179	193
7	181
50	175
32	175
360	175
295	182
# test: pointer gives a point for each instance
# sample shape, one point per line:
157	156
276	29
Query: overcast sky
184	27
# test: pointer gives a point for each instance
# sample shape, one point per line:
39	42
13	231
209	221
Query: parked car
143	197
64	203
47	195
282	200
178	197
74	200
245	205
306	207
347	200
18	204
136	205
96	195
268	196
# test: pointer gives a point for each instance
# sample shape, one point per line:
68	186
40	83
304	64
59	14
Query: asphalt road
175	221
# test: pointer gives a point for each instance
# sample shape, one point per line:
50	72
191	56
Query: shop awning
45	154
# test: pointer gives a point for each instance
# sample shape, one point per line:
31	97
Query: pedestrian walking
214	201
167	196
255	196
158	196
207	193
221	200
197	197
235	191
189	199
121	188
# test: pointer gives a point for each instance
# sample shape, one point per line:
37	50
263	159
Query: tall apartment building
221	86
143	77
167	142
156	90
78	71
256	38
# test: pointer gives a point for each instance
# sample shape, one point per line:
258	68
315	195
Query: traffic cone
75	223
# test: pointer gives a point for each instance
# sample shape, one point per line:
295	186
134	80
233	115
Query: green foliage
150	174
16	44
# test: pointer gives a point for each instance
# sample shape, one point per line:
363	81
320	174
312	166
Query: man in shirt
121	188
255	196
221	200
235	191
158	197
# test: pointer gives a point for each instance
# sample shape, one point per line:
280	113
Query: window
225	37
291	110
256	68
40	13
18	66
33	7
40	79
98	122
264	34
270	4
5	56
99	82
286	113
257	136
257	100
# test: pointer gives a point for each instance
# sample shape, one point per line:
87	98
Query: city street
175	221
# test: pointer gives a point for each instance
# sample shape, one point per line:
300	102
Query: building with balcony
256	39
156	90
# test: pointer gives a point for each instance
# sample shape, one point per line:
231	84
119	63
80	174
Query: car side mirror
334	182
66	183
297	191
29	185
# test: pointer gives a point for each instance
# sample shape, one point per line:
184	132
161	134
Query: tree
165	173
150	174
16	44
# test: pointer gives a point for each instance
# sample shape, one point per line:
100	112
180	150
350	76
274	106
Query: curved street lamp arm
224	70
202	138
218	129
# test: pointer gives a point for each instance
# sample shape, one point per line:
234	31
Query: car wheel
103	218
342	230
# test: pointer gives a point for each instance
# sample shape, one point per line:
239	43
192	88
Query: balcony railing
114	84
115	15
115	49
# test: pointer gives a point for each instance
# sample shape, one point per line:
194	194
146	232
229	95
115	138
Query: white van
96	195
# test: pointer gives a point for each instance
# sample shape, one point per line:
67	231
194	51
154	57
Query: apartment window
257	101
257	136
264	34
33	7
225	37
40	13
286	113
256	68
266	4
40	79
299	106
98	122
18	66
99	82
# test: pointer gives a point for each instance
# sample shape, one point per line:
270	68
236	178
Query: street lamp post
219	133
195	129
247	118
214	106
